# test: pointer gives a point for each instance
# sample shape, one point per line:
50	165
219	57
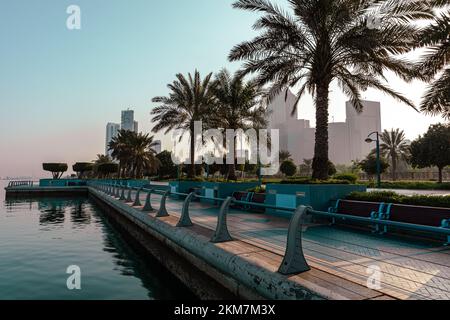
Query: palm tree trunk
191	172
232	167
394	168
320	162
440	174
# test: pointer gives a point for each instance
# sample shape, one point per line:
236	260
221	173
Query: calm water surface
40	238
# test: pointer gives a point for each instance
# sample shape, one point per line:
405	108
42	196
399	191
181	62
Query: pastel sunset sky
59	88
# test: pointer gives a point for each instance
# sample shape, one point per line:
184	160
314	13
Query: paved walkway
408	270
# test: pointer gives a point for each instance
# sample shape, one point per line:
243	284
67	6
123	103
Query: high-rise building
158	146
127	120
112	129
346	139
136	127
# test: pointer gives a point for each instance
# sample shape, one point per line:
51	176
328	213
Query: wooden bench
425	216
358	208
405	214
259	198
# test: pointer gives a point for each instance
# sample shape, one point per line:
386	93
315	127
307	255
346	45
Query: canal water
41	238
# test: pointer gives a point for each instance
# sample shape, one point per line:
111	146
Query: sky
59	87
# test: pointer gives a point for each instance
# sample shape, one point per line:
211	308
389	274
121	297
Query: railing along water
293	260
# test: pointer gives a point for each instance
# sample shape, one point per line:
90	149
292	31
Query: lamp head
368	140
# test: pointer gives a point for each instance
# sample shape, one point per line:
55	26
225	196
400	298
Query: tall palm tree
121	151
317	42
143	154
394	147
435	64
189	100
238	107
135	153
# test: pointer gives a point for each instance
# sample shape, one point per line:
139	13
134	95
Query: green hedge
392	197
414	185
311	181
350	177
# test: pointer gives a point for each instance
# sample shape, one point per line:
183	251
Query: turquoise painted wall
320	197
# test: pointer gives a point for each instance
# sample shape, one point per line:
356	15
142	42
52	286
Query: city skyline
76	80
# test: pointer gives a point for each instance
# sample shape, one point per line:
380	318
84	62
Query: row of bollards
293	262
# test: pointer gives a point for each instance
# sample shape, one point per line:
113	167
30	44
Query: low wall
231	270
319	196
212	189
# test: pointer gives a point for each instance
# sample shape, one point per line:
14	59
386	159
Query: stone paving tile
409	270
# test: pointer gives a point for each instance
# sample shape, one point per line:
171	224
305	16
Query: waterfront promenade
340	258
409	270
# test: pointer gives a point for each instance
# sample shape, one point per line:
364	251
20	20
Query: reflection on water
40	238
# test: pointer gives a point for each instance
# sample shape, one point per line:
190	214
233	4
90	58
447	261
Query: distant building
346	139
158	146
112	129
127	121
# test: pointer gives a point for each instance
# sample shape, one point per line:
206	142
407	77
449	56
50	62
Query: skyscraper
158	146
112	129
346	139
127	120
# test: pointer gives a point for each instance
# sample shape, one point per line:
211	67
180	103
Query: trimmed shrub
414	185
310	181
57	169
106	169
392	197
350	177
82	167
288	168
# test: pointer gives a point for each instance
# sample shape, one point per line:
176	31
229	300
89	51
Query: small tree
331	169
288	168
285	155
433	149
107	169
167	169
82	167
369	165
57	169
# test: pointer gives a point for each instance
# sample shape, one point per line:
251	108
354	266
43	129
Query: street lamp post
377	140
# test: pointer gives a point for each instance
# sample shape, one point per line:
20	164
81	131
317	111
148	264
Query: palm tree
321	41
120	147
238	107
285	155
135	153
435	62
189	100
143	154
101	159
394	147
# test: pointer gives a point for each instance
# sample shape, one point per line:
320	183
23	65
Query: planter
318	196
211	189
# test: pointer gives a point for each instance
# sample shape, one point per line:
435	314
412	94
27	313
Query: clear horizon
59	88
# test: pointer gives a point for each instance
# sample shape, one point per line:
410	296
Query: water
41	238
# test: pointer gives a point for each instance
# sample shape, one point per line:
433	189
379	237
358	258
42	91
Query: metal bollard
294	260
148	202
221	234
122	194
137	200
129	199
185	220
162	212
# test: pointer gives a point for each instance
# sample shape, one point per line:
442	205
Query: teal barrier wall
225	189
320	196
61	182
211	189
77	182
